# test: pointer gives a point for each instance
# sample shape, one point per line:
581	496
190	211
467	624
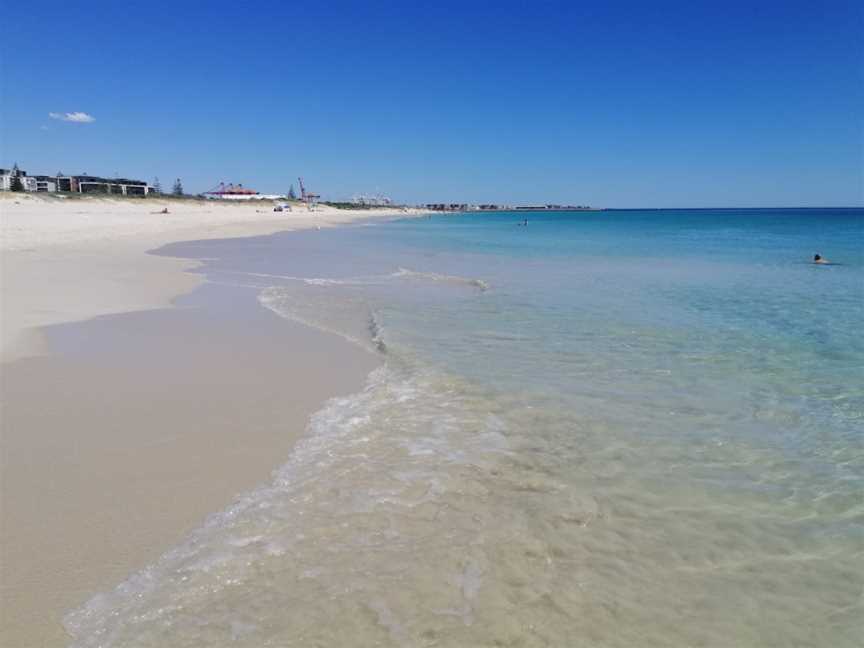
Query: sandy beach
71	259
600	387
446	431
120	434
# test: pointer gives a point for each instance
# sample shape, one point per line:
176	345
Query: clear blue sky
609	104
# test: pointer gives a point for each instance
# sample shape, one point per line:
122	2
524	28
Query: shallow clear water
602	429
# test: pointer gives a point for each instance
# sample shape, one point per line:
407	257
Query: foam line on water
281	302
481	285
401	273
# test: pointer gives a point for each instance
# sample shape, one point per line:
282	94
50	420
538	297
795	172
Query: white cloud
77	117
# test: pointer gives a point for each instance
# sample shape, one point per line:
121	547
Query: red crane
308	198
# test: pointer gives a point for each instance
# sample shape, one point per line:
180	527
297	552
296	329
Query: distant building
96	184
75	184
6	175
45	184
447	206
378	200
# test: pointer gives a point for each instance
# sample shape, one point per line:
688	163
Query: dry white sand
119	441
68	259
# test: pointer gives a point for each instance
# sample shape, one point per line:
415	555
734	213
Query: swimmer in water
817	258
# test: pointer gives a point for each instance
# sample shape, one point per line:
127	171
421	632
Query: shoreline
65	261
134	401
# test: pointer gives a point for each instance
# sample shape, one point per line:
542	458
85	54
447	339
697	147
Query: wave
318	281
401	273
366	501
215	551
434	276
352	320
348	313
432	510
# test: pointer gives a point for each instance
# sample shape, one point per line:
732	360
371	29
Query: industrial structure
377	200
231	191
310	199
237	191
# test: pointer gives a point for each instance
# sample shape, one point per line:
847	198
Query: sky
609	104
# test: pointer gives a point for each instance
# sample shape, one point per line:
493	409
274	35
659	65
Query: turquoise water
603	429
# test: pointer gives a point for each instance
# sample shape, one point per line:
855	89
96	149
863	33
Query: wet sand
119	435
134	428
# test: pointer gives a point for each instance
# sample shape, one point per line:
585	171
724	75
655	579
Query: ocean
615	428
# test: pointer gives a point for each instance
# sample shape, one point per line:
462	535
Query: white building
45	184
6	176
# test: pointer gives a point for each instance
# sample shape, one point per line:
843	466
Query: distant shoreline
540	210
720	208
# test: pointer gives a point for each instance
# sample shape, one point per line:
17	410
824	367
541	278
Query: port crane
308	198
